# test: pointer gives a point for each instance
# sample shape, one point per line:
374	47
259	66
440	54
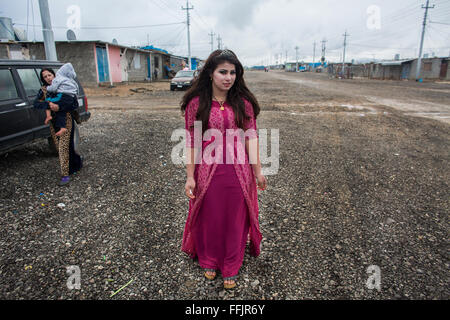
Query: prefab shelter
160	61
95	61
432	69
291	66
98	62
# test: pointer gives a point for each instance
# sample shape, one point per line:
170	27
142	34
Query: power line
100	27
385	32
389	25
198	24
207	25
434	22
171	8
394	35
384	47
165	10
177	33
443	34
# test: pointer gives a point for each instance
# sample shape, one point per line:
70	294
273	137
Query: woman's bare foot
48	119
61	132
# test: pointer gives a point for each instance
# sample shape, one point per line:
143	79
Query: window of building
137	61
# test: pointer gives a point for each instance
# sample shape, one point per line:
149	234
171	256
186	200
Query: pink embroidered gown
224	213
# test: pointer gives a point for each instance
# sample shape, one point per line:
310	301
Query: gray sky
259	31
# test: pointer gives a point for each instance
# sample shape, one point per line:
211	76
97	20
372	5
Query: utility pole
219	42
296	58
314	55
212	34
32	18
419	61
323	50
343	57
49	40
188	32
28	10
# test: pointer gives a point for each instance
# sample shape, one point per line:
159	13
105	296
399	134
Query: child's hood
67	71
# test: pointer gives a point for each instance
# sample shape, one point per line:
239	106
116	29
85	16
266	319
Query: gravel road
360	184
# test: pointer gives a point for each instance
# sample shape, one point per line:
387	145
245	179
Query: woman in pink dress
223	168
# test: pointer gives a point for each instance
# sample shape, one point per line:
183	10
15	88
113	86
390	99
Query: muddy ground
362	181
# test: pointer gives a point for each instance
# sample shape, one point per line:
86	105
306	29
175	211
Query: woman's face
48	76
224	76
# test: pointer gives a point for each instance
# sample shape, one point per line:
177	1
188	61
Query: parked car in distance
183	79
20	122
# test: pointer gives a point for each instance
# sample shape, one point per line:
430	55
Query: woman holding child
222	184
61	124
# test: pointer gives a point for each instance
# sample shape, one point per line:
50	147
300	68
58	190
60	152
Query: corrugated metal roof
394	62
85	41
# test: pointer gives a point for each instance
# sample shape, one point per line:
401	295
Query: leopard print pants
62	144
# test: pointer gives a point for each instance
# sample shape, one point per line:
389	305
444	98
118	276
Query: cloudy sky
259	31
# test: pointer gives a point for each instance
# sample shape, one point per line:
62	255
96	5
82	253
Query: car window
30	81
184	74
8	88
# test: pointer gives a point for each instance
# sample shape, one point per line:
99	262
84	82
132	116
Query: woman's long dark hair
44	83
202	87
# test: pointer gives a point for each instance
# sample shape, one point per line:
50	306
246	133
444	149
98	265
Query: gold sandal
229	285
210	276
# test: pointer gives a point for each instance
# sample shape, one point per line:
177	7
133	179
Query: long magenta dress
224	213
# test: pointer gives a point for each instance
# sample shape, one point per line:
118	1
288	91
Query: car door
15	125
29	77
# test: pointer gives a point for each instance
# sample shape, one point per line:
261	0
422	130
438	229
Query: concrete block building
96	61
432	69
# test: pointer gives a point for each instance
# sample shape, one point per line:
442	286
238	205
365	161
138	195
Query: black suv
20	122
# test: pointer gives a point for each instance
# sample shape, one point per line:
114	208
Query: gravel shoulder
360	183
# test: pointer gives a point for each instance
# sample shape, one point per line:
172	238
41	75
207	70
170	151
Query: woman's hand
53	106
189	188
261	182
